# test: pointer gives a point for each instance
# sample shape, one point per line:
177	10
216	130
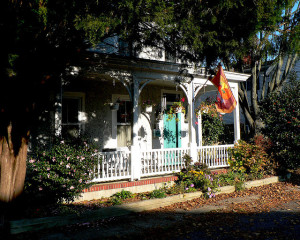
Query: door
172	131
172	139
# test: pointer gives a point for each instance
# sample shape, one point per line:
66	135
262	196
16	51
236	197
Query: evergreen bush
281	114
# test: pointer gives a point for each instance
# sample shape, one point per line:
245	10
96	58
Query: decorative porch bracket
124	78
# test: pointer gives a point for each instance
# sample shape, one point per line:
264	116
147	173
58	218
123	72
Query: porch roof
161	71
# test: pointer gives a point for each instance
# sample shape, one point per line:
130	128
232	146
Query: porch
120	165
137	143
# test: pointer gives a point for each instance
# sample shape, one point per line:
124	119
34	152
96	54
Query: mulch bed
271	196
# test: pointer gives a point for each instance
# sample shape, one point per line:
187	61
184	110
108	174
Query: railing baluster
98	166
116	165
107	165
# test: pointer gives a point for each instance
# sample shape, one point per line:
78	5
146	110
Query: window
124	114
121	121
169	99
71	107
72	115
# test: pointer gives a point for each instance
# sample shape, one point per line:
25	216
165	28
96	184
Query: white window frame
115	98
164	91
82	119
114	121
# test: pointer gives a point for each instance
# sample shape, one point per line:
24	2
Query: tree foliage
38	41
199	31
269	56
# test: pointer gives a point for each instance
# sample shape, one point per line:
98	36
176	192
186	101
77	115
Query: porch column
236	115
58	110
199	129
192	123
135	150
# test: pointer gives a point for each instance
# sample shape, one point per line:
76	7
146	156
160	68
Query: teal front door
172	131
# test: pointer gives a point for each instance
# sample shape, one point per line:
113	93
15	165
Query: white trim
236	115
82	116
236	77
122	97
114	120
163	91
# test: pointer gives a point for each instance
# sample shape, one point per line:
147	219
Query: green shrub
231	178
250	159
158	193
61	173
116	201
123	194
187	161
281	115
239	186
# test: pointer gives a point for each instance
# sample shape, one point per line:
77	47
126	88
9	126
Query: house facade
106	103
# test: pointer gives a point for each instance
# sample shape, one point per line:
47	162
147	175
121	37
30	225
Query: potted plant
207	107
177	107
114	106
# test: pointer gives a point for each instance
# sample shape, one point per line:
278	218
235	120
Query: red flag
225	100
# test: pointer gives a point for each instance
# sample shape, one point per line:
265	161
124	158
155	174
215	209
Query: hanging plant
177	107
148	105
212	122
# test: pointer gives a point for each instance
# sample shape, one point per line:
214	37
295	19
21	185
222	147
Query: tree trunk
12	171
13	167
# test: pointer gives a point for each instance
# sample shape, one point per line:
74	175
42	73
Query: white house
135	142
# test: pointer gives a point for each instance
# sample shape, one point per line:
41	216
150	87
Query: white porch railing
112	166
162	161
214	156
116	165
